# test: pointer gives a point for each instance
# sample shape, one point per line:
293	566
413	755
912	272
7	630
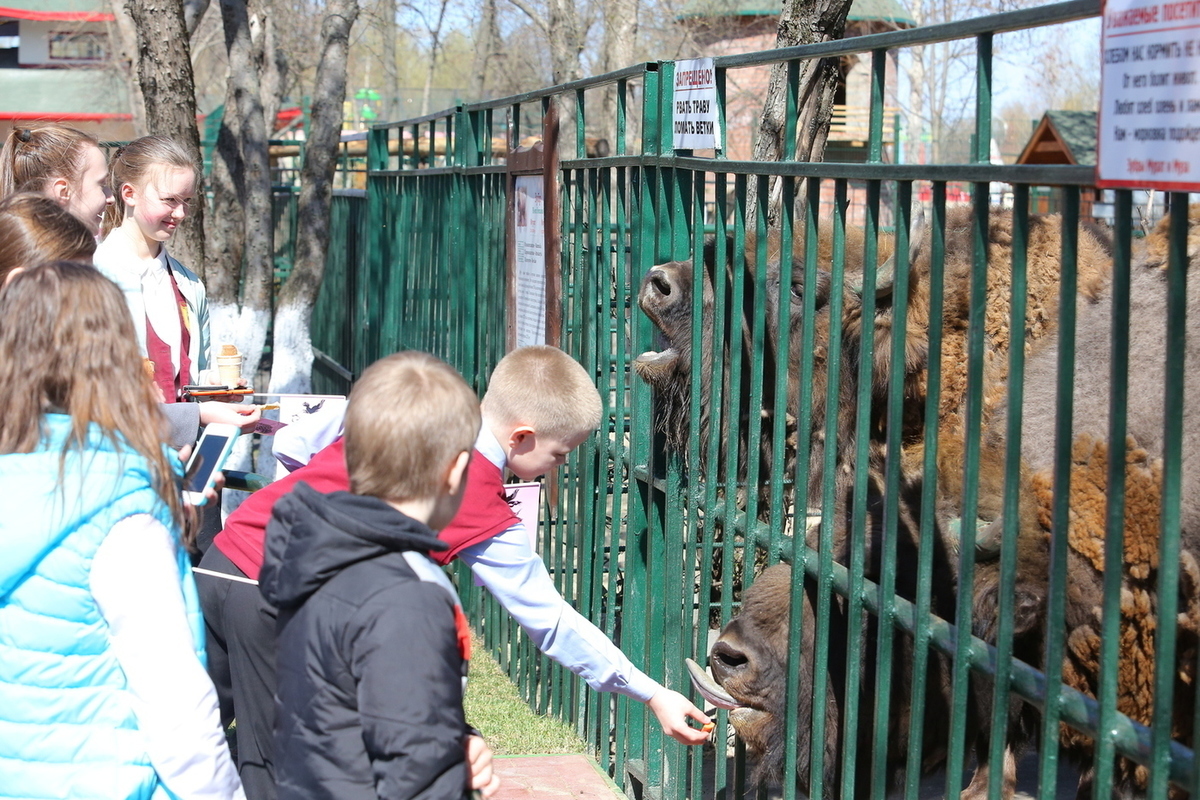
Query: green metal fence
657	545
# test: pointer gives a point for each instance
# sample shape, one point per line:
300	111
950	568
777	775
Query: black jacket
370	655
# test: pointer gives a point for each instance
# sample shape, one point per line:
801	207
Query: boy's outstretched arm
673	711
516	576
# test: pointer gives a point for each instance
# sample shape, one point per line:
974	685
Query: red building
729	27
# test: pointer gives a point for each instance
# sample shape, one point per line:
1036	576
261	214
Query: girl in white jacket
154	184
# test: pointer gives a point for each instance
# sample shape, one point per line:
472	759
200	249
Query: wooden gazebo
1062	137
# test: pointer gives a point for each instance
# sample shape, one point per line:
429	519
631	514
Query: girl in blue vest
103	692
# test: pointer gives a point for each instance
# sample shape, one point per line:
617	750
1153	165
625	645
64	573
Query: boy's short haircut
543	387
409	416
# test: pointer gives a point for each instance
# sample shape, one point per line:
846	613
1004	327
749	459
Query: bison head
668	295
749	670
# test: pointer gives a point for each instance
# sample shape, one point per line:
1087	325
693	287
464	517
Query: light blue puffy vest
67	729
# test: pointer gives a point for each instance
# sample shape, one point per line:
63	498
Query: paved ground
557	777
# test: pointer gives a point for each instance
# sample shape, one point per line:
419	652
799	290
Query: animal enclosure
969	432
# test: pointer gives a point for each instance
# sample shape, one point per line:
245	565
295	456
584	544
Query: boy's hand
241	416
673	711
479	767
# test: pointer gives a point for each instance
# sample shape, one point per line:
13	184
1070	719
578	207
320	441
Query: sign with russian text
694	115
529	236
1149	126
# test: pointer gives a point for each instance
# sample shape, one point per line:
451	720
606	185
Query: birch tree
238	275
292	345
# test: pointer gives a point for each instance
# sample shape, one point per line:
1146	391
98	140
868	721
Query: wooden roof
1062	137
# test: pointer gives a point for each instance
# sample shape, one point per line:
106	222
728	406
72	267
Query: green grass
510	727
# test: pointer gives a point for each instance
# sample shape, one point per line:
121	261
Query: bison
666	297
746	661
1143	455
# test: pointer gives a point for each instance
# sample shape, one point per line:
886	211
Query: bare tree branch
534	17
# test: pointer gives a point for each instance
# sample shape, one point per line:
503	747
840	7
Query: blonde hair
139	163
67	344
34	155
543	387
34	228
409	416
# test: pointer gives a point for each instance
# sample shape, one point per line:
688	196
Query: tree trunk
802	22
274	61
293	355
620	36
193	12
566	44
164	67
435	46
487	50
239	281
391	75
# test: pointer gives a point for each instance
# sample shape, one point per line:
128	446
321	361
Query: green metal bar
754	307
966	562
622	468
1165	669
716	403
829	505
800	492
791	111
695	549
924	592
892	484
580	125
860	522
781	364
643	256
875	123
622	111
1114	537
731	550
1011	500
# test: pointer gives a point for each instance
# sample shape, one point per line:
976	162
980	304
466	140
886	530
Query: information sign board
694	111
1148	132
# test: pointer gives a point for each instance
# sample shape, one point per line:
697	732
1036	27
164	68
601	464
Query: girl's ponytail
31	156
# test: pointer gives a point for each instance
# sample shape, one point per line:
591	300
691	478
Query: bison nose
659	282
726	660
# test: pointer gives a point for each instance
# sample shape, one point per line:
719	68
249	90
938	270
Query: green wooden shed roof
860	10
1069	133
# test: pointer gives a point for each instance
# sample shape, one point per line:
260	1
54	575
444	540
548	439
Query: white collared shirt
162	307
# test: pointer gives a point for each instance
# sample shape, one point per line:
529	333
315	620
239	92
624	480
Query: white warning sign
694	115
1149	126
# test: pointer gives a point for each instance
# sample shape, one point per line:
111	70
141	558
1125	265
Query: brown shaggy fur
1089	493
666	297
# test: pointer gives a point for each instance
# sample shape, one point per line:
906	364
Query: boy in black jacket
372	642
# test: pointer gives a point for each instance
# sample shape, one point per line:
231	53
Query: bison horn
713	692
885	280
